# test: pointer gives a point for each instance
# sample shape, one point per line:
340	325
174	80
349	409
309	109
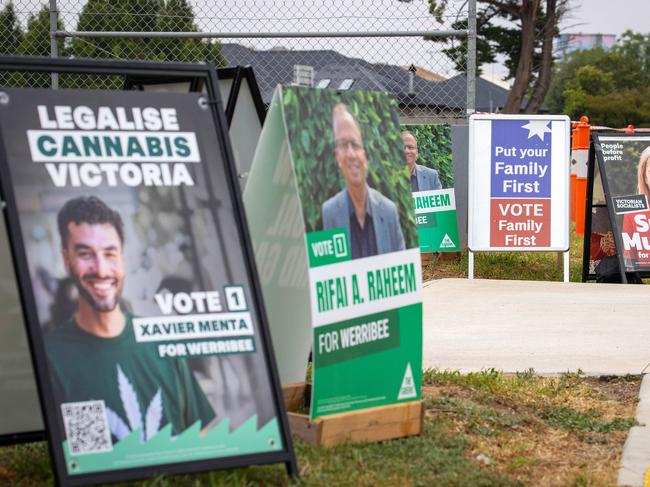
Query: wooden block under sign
294	395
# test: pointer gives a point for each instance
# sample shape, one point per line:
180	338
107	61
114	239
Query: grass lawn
530	266
480	429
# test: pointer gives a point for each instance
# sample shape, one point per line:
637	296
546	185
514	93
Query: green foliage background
105	15
434	147
611	87
308	115
622	175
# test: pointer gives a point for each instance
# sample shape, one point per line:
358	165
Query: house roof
275	66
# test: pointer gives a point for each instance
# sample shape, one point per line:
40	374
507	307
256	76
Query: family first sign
519	183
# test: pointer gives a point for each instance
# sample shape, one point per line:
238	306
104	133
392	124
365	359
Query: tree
142	16
10	31
613	109
116	15
589	80
526	41
636	46
11	35
626	73
177	16
36	39
107	15
611	87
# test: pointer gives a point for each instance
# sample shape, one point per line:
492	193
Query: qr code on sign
86	427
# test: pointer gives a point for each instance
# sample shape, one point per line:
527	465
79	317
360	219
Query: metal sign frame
235	73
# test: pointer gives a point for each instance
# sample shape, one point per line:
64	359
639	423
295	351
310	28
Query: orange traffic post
582	160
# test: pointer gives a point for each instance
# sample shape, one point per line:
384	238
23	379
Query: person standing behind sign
370	217
630	226
94	356
422	177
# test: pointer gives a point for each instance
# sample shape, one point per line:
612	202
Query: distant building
421	95
567	43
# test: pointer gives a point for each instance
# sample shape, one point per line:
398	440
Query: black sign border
586	242
176	71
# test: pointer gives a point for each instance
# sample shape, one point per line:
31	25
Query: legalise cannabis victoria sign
122	203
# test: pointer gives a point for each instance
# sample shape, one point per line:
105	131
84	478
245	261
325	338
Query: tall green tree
636	46
177	16
609	86
36	39
11	34
142	16
116	15
520	30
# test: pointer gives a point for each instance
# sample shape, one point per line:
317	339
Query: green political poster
427	152
150	350
435	215
360	253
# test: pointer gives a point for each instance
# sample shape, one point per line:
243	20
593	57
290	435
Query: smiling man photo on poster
371	218
138	389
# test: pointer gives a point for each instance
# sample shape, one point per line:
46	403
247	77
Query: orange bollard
582	159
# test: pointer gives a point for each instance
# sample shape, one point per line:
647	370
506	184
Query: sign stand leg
566	266
470	270
292	469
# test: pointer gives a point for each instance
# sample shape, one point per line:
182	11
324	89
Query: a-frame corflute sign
624	170
427	149
21	419
130	200
331	213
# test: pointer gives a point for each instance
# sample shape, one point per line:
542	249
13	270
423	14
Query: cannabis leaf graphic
131	405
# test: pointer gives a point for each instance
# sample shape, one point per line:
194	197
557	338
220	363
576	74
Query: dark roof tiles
275	66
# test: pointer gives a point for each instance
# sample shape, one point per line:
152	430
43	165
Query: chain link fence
388	45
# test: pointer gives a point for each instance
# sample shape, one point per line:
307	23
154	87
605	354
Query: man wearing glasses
370	218
422	177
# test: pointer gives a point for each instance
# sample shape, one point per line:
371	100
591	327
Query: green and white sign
428	157
344	185
435	215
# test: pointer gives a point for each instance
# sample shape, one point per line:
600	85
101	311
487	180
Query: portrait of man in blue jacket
371	219
422	177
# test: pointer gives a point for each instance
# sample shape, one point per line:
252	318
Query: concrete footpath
636	451
552	327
